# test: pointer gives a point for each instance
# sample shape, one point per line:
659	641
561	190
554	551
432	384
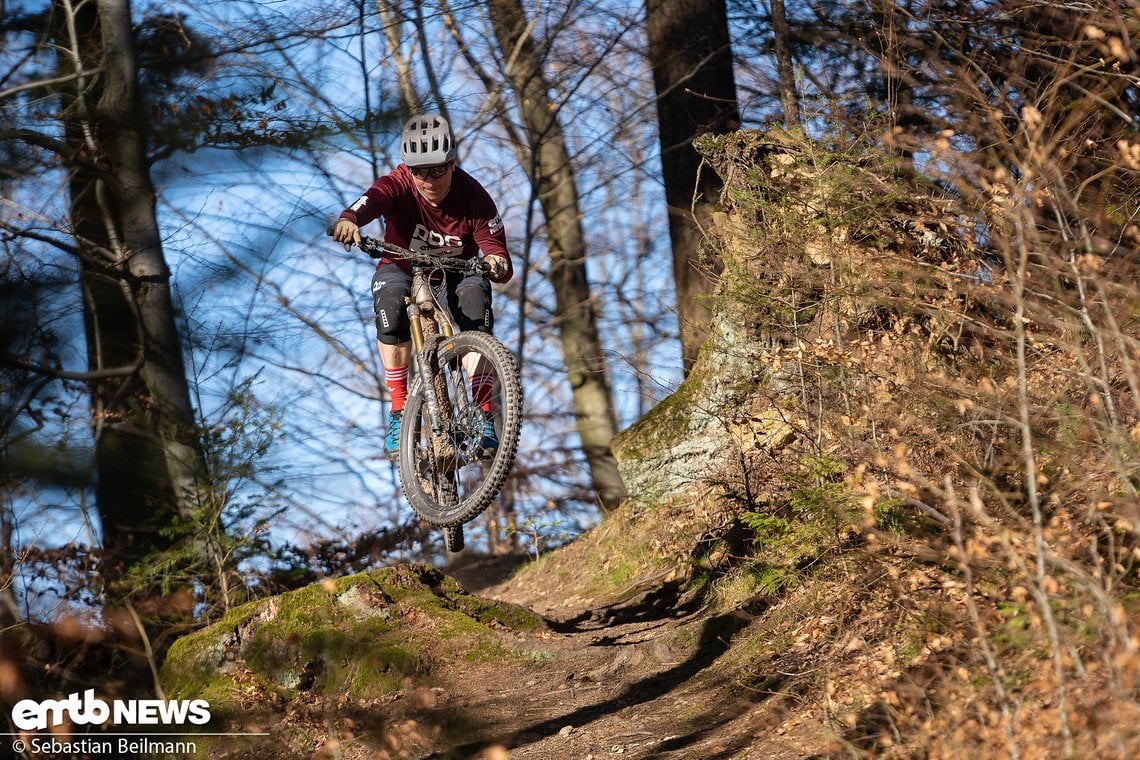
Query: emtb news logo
32	715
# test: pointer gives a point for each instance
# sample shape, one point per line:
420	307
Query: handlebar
377	249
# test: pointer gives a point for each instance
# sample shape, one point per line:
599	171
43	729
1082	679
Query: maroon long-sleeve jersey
465	222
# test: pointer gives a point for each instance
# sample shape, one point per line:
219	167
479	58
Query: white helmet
427	141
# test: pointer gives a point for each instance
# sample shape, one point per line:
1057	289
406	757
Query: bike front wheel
448	473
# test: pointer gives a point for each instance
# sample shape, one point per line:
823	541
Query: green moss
191	665
487	650
662	427
1016	629
909	649
361	635
770	581
890	516
508	615
373	673
623	549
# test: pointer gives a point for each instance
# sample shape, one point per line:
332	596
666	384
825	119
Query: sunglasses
433	172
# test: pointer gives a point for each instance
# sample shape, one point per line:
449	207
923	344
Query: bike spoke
453	473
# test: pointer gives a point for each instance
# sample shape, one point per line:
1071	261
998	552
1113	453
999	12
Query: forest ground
635	675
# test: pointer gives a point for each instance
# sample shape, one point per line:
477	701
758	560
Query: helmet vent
427	141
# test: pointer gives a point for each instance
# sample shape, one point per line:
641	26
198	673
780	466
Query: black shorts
468	300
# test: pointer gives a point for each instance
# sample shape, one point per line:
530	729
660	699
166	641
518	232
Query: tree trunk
784	66
148	463
574	308
392	26
696	93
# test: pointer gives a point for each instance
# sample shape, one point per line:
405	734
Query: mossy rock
360	637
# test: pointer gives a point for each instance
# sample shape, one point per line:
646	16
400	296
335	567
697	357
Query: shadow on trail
661	606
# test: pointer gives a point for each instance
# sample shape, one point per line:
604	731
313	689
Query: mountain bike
457	382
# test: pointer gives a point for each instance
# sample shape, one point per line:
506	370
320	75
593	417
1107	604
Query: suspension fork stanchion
418	303
417	329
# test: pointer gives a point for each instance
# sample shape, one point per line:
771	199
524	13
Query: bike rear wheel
453	539
447	476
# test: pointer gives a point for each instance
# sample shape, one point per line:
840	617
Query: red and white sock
482	389
397	380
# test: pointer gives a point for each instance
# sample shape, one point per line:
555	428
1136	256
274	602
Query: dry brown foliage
965	340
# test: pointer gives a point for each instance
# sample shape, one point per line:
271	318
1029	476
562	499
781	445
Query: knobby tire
444	485
453	539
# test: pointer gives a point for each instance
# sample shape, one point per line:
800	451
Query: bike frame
428	319
425	310
422	304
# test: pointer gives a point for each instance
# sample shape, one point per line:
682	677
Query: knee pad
473	301
388	292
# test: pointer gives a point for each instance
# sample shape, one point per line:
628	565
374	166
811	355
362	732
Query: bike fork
427	369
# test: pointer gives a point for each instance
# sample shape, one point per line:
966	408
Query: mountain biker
429	204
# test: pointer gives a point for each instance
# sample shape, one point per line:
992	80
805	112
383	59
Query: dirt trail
639	677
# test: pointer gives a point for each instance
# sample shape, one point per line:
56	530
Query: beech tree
696	93
148	463
785	64
97	100
575	310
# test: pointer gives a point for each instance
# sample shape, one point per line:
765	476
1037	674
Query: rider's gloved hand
346	232
497	266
